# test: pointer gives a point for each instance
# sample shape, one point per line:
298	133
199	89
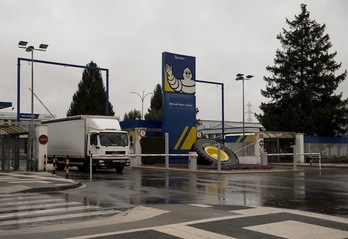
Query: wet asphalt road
308	189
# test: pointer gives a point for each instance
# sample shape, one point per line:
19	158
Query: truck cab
108	149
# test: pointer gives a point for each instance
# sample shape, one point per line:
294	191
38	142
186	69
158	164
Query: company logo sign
179	101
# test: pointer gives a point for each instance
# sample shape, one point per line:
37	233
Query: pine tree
155	111
132	115
303	83
90	97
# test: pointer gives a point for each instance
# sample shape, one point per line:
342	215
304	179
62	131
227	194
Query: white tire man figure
185	85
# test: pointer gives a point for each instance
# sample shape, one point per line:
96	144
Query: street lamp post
42	47
142	97
242	78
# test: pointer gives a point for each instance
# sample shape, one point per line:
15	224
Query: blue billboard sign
28	116
179	102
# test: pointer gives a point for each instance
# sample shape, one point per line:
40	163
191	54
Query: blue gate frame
19	59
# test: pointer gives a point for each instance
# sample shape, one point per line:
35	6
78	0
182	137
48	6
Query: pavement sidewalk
32	181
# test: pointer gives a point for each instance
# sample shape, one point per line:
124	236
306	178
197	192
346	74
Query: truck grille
115	152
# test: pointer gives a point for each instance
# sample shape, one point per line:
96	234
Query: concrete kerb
313	165
211	171
53	188
277	167
24	182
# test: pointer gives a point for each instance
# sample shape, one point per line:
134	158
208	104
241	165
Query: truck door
93	146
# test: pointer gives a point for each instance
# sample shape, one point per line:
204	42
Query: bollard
67	167
166	150
54	165
264	158
90	166
45	162
193	161
219	158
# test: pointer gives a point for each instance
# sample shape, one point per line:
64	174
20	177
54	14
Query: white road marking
200	205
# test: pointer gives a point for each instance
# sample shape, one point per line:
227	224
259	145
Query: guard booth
139	129
250	146
10	145
284	143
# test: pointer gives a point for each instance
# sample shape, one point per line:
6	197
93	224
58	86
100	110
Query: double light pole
142	97
242	78
42	47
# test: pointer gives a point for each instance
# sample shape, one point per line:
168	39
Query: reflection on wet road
307	189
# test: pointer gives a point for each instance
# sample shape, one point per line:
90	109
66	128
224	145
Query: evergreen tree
90	97
132	115
155	111
303	83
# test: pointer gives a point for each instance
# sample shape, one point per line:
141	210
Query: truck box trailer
88	137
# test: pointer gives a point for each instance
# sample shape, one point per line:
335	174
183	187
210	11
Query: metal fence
11	144
333	153
9	153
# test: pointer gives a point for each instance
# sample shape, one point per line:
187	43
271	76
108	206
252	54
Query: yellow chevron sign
246	139
187	138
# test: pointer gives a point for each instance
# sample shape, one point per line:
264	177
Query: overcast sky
128	37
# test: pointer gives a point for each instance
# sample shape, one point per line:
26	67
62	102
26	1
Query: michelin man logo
185	85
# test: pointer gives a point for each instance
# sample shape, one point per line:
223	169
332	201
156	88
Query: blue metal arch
19	59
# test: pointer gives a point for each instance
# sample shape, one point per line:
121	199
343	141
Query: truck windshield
113	139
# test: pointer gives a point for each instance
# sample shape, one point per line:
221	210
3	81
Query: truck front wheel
119	169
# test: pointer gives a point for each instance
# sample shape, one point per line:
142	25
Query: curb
51	189
234	171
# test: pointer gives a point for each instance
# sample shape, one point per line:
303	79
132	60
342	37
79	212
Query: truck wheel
60	166
82	168
207	151
119	169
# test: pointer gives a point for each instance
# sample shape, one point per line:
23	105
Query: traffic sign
142	133
43	139
261	143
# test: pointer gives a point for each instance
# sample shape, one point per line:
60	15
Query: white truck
85	137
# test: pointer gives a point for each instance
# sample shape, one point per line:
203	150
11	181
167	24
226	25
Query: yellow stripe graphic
181	137
190	139
246	139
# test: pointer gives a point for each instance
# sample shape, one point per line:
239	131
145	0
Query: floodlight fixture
43	47
22	44
240	76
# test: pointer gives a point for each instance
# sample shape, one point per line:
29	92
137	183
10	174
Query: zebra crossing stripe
187	232
17	215
31	202
20	181
21	198
28	210
38	206
11	195
59	217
